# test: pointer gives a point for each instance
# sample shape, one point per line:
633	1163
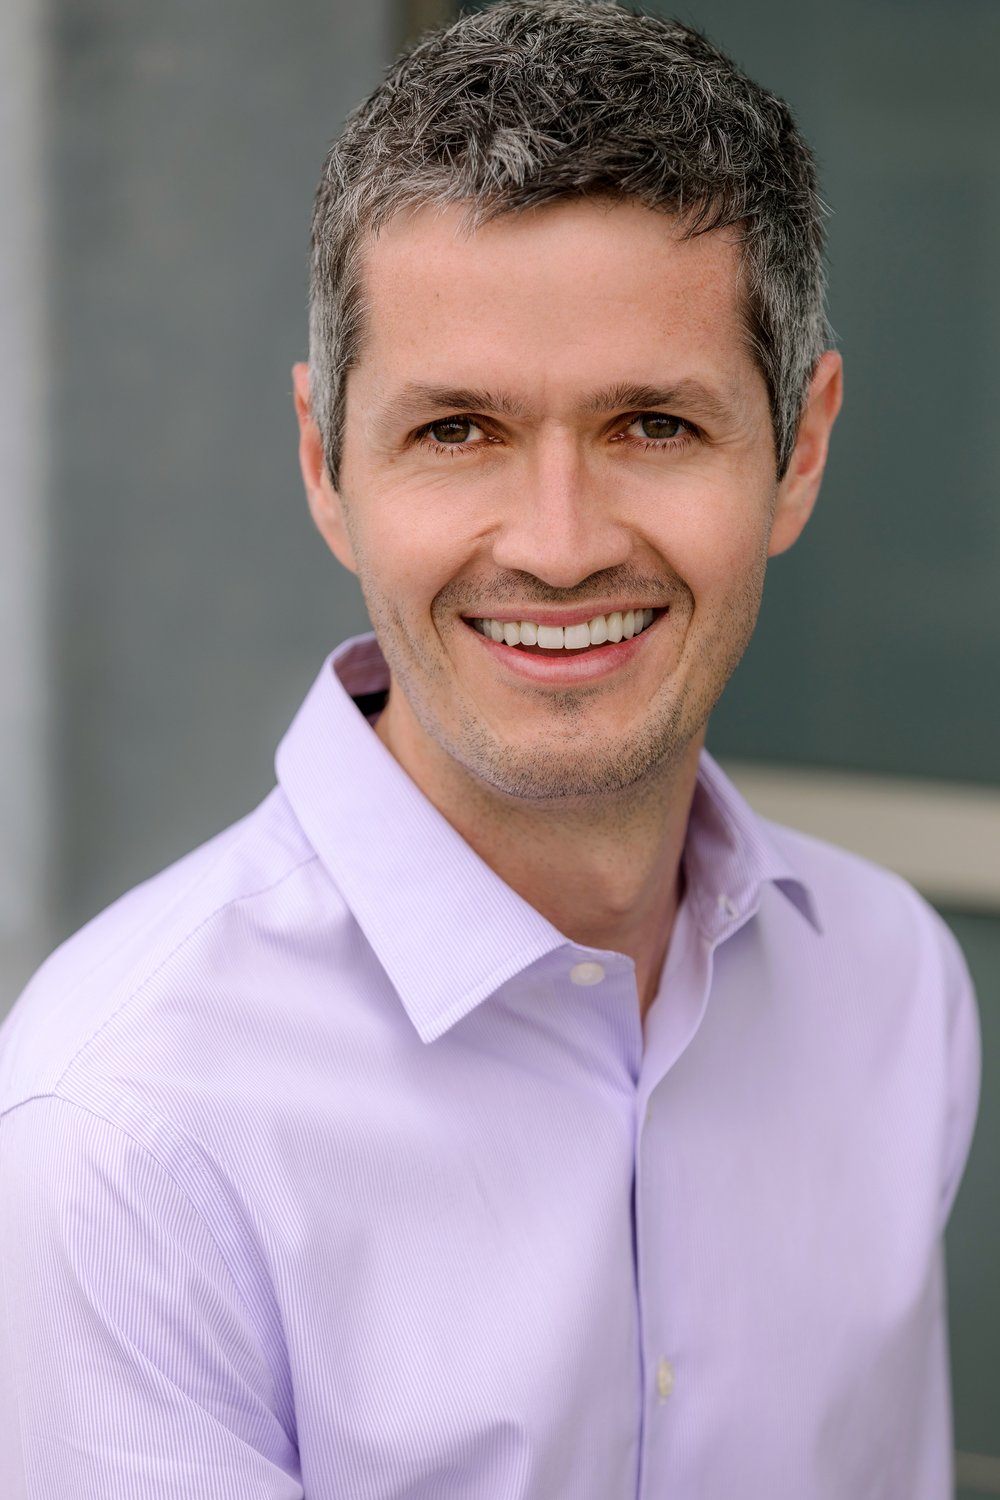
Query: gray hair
533	101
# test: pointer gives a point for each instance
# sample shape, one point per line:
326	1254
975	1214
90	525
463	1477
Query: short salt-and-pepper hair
533	101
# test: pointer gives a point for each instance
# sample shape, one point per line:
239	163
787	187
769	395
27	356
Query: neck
605	871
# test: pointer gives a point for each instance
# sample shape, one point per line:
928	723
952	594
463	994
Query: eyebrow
416	398
690	395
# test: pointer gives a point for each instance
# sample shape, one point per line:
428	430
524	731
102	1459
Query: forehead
532	296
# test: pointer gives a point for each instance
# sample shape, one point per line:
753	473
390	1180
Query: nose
561	524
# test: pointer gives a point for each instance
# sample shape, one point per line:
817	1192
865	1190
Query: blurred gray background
164	602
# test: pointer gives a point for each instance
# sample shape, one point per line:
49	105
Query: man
502	1109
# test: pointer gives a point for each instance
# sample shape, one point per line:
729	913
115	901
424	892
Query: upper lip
582	614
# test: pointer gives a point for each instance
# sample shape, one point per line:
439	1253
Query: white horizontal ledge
944	837
979	1472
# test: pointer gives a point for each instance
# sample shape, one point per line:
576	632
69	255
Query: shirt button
664	1379
726	905
587	973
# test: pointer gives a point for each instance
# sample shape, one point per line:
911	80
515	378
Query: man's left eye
655	424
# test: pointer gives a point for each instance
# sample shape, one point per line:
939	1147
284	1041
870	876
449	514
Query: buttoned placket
671	1026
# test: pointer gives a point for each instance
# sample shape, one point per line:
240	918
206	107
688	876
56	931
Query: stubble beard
605	774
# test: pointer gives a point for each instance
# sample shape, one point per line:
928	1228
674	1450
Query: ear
325	503
798	489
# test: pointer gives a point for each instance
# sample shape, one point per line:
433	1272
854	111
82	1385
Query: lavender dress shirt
329	1168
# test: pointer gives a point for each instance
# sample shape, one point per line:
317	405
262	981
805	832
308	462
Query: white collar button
587	973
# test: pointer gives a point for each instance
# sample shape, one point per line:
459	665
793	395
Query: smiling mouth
554	640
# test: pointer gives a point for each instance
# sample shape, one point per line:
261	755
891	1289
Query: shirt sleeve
129	1365
964	1044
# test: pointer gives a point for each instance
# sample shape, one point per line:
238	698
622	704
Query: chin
576	772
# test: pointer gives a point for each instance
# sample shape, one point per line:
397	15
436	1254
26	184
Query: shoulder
879	940
884	944
894	971
215	901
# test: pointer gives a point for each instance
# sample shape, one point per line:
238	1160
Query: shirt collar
446	929
730	853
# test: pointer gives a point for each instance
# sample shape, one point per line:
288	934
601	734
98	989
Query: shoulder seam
147	979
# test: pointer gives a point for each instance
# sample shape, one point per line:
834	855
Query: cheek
413	545
717	543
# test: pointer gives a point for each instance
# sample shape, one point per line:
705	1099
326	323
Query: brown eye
654	424
452	430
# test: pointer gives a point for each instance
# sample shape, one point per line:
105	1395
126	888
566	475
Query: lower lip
564	668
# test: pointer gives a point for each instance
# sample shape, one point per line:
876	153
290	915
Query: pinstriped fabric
203	1402
320	1174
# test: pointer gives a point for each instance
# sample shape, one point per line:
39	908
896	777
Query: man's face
554	421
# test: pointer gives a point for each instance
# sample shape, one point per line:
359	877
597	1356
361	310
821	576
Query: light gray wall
24	659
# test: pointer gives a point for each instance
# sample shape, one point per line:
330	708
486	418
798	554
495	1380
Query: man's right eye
452	432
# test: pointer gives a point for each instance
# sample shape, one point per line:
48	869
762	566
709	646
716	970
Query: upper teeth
618	626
